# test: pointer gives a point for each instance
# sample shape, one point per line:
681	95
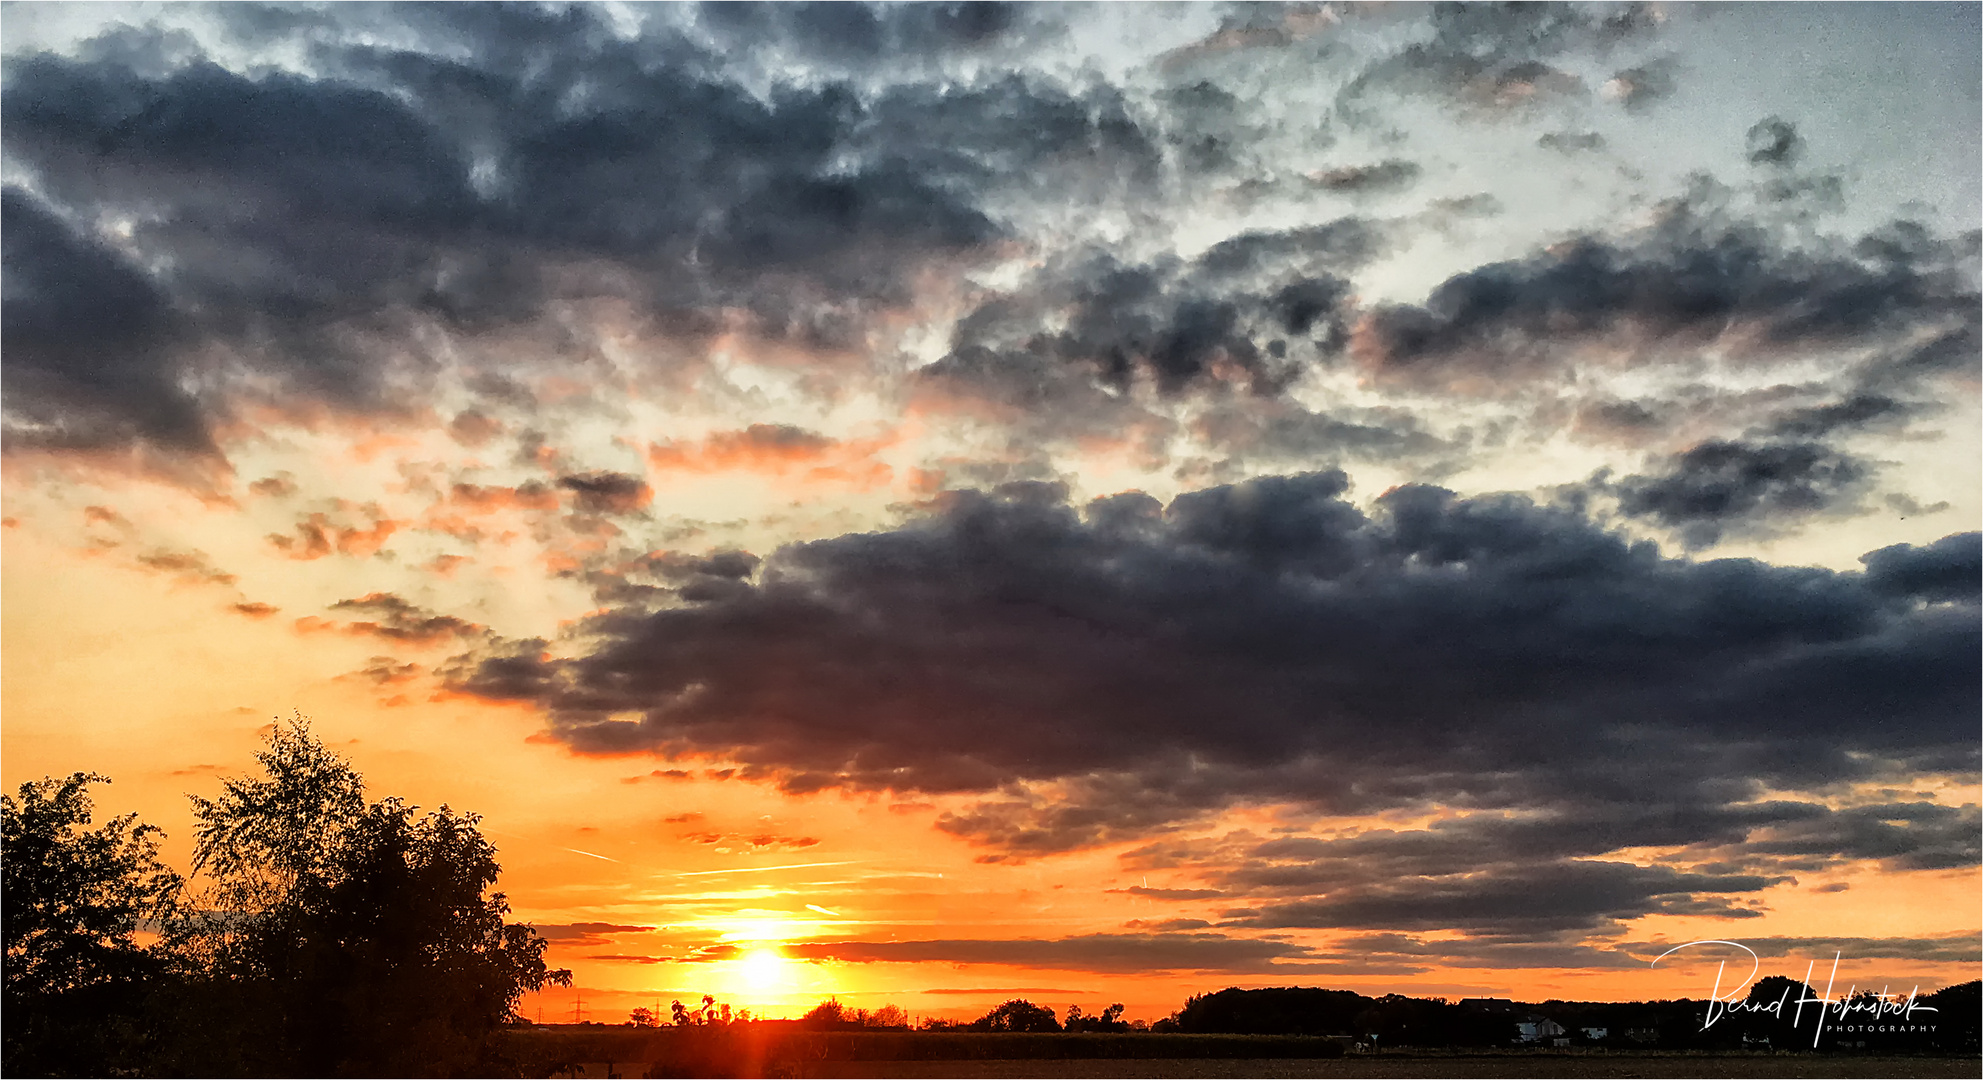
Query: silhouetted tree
1017	1015
1109	1019
1957	1017
344	938
1293	1010
71	901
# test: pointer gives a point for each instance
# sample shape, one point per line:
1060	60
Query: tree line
319	934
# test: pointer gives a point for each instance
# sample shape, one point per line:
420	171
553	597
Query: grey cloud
1385	176
1663	296
397	619
1083	330
304	219
1954	948
584	933
1946	570
1720	485
87	337
1578	895
1774	141
608	492
1117	670
1495	56
1571	142
1104	953
1640	87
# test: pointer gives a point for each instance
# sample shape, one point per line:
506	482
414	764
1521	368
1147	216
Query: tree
1109	1019
643	1017
1018	1015
72	900
345	938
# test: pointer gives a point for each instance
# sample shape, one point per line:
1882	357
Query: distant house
1532	1030
1597	1034
1642	1034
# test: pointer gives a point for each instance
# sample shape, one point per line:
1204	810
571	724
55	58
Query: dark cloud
505	160
1570	896
1171	894
1101	953
87	337
861	36
1721	485
1953	949
1856	411
1691	281
584	933
1493	57
1947	570
1774	141
1284	432
608	492
1067	344
186	567
1385	176
1571	142
1640	87
1118	669
397	619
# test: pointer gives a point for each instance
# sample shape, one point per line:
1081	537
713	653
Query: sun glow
765	970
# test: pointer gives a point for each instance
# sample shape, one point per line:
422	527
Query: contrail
821	910
575	851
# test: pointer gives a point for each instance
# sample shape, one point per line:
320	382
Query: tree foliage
72	900
341	937
1018	1015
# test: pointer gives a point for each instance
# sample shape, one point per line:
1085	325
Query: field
1403	1065
789	1052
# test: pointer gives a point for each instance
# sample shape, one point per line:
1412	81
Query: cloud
1113	670
1246	314
186	567
1774	141
87	336
1486	58
1670	292
777	450
608	492
1571	142
1392	175
1640	87
1720	485
584	933
1100	953
318	535
322	229
752	842
396	619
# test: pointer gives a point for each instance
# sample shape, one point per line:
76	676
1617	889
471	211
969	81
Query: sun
765	970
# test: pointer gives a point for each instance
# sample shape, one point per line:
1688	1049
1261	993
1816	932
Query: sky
928	504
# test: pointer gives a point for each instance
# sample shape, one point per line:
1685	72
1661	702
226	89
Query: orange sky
1096	504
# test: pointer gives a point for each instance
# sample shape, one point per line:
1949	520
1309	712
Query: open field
1414	1065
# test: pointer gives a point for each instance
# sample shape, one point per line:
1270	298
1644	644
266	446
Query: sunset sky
936	503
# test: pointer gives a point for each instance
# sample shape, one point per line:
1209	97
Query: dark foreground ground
1405	1065
785	1051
